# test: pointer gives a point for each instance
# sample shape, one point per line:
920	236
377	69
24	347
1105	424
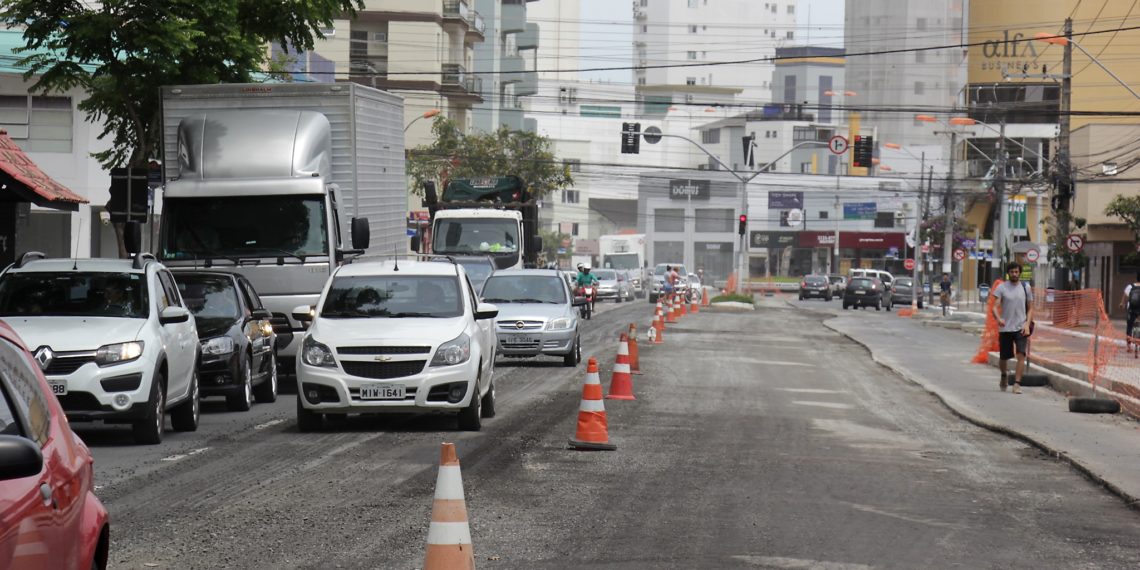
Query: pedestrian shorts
1007	341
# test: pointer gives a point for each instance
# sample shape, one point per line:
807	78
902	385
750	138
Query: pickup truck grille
368	350
383	370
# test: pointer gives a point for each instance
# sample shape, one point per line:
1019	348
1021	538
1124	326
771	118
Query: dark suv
815	286
863	292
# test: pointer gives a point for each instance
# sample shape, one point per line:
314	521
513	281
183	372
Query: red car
49	514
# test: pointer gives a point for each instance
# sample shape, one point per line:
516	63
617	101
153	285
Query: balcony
511	68
457	11
454	80
513	18
639	13
528	84
371	65
529	38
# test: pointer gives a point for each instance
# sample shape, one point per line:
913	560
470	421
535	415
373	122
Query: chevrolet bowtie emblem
519	325
383	358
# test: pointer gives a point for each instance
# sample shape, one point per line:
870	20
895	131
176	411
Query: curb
960	410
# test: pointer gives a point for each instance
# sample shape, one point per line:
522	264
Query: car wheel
243	400
266	392
470	417
878	305
488	403
573	357
149	430
185	416
307	420
844	306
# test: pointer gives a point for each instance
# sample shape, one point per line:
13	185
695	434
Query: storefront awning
19	176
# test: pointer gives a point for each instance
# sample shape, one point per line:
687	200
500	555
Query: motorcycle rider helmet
586	267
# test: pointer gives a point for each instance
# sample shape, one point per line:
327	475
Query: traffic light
743	224
864	150
630	138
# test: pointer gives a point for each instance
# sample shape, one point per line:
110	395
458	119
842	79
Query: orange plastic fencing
1074	330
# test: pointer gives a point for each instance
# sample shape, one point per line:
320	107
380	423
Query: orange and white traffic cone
670	311
684	305
449	538
705	297
634	360
593	432
621	383
694	307
658	329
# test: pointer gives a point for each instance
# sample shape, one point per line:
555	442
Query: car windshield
67	294
386	296
468	236
477	271
861	282
815	280
291	226
507	288
903	282
606	274
209	297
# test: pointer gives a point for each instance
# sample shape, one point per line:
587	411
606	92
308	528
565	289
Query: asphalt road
759	440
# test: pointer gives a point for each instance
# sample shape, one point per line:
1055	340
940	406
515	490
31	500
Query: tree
121	51
499	153
551	242
1126	208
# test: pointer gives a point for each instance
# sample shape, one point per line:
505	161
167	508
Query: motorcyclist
585	278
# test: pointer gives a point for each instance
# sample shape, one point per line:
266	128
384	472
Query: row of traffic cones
670	311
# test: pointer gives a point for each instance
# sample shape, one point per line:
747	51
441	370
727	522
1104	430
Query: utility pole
1064	175
999	209
948	204
915	291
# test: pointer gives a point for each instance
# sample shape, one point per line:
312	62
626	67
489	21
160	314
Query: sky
603	19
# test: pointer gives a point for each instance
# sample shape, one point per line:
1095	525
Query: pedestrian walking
944	295
1013	309
1131	301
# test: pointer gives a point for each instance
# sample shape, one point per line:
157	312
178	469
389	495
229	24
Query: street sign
959	254
795	217
1032	255
969	243
652	135
909	264
1075	243
837	144
925	248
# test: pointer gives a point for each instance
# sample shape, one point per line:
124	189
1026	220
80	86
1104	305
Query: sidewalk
1105	448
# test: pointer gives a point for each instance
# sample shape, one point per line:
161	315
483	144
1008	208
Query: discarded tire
1034	380
1094	406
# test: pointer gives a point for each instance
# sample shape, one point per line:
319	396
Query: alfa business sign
689	190
1002	37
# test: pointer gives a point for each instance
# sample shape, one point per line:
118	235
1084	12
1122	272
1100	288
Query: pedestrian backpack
1134	299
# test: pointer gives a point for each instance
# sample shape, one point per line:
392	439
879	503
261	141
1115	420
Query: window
805	168
690	81
9	425
823	214
884	219
691	55
714	219
919	88
572	164
920	24
803	134
791	9
571	196
170	289
251	295
641	81
710	136
644	29
774	8
920	57
692	29
37	124
790	35
574	229
24	394
669	220
692	3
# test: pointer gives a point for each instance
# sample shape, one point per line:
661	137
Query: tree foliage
1127	208
500	153
121	51
551	241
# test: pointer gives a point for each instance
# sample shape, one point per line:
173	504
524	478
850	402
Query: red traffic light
743	218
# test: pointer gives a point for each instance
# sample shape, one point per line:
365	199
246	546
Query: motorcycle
590	293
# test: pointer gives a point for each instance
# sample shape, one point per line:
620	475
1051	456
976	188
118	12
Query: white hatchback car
397	336
112	336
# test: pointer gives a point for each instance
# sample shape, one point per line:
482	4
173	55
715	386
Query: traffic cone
670	313
658	329
449	538
705	297
684	306
694	307
621	383
592	433
634	361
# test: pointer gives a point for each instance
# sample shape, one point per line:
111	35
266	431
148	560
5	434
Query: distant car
838	284
479	268
397	336
815	286
879	274
49	514
239	355
659	280
901	293
863	292
612	285
112	336
537	315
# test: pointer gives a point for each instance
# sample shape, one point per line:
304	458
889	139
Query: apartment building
506	62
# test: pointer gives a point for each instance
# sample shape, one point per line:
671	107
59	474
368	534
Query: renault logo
44	356
519	325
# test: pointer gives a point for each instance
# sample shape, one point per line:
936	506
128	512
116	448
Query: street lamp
1064	41
427	115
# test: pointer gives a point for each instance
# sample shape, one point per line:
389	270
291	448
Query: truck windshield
620	261
245	226
458	235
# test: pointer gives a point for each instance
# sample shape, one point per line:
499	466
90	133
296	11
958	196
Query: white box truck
281	183
626	252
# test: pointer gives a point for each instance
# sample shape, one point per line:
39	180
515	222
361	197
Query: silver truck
281	183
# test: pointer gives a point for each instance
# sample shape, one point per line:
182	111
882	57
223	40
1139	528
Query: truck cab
494	216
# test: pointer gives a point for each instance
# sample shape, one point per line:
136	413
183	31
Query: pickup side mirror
360	233
486	311
304	313
580	302
19	457
171	315
261	314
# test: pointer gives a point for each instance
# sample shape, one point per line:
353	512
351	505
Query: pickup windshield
458	235
244	226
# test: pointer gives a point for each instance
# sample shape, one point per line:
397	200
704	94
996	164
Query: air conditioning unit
379	36
899	215
688	97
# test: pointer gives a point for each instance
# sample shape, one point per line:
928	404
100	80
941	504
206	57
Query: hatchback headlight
314	353
453	352
218	346
118	353
561	324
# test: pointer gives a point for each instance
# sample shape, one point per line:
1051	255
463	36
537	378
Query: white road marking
813	391
178	456
799	563
832	405
747	360
269	423
920	520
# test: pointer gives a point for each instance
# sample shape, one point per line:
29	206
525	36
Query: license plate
521	339
860	292
382	392
58	387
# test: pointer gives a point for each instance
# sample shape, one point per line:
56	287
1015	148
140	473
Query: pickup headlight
218	346
453	352
118	353
561	324
314	353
